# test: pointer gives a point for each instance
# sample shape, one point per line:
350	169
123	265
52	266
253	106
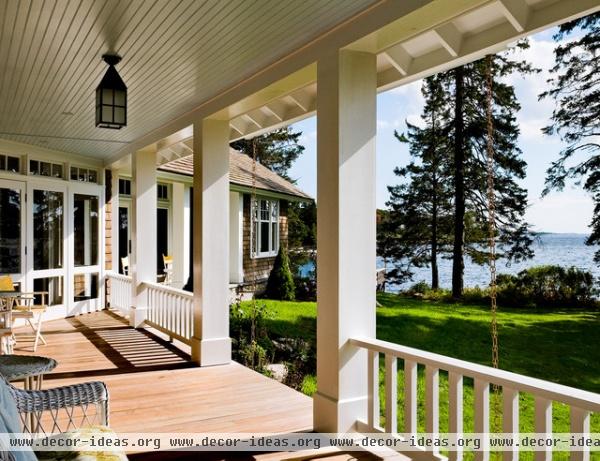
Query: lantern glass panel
107	96
119	115
107	115
119	98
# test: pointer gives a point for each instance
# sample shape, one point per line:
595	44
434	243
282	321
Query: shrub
280	285
549	286
251	344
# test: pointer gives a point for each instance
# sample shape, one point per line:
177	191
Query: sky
566	211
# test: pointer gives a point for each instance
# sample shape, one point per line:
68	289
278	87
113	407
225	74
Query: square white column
236	241
179	230
142	260
211	345
346	235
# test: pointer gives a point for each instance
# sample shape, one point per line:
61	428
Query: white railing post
510	420
391	394
373	366
432	402
410	397
543	425
580	424
455	411
482	416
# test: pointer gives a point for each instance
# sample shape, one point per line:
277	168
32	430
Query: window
162	191
39	168
265	228
83	174
124	186
10	163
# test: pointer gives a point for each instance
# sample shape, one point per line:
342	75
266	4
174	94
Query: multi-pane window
10	163
162	191
124	186
40	168
265	228
83	174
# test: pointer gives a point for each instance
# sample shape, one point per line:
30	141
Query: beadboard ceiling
176	54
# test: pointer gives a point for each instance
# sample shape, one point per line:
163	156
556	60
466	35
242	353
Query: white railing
120	292
581	403
171	311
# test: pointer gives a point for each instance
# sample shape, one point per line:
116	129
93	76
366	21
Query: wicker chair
79	407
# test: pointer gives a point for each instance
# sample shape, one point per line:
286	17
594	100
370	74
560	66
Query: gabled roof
241	174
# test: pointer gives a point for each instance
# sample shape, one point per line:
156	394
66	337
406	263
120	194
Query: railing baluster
373	387
580	424
510	420
543	424
482	416
410	397
432	402
391	394
455	411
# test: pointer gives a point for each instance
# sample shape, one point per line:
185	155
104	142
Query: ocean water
559	249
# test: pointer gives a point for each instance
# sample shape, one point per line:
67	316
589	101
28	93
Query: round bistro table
29	368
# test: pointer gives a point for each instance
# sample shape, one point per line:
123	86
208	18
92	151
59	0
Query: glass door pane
85	230
48	223
123	236
11	231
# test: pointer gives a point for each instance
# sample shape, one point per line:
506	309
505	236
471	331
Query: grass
556	345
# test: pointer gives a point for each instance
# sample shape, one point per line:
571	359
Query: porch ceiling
253	66
176	54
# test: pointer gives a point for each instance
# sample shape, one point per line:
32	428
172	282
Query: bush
251	345
548	286
280	285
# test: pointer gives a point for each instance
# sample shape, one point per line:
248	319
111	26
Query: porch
154	387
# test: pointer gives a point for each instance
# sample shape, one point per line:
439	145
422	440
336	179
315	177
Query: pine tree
466	120
575	87
276	150
280	284
418	227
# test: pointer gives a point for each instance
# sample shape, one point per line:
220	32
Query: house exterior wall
257	270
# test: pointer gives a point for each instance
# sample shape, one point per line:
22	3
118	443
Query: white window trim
255	239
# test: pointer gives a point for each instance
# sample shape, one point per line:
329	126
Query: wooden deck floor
154	388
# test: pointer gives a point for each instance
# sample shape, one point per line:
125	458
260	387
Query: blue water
559	249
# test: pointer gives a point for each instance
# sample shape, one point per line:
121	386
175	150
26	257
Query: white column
236	222
346	127
142	260
187	237
211	345
114	208
178	228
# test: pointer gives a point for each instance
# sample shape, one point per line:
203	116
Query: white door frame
21	186
90	305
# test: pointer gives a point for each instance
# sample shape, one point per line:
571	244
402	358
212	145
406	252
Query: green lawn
559	346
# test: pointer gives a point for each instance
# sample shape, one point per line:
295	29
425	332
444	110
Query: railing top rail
116	275
168	289
552	391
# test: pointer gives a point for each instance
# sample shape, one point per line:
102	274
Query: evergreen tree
466	119
280	284
276	150
418	226
576	88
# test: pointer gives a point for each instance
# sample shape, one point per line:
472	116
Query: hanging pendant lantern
111	97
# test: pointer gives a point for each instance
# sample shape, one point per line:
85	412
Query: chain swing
492	228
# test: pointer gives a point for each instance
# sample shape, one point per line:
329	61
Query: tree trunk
458	264
435	278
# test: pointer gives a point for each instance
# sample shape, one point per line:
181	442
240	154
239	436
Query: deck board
154	387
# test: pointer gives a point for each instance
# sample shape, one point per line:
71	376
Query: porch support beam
179	230
346	124
211	345
142	260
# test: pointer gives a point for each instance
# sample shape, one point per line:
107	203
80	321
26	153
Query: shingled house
252	249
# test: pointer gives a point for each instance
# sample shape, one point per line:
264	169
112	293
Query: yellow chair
125	265
25	307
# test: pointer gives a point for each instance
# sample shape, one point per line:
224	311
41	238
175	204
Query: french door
46	252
